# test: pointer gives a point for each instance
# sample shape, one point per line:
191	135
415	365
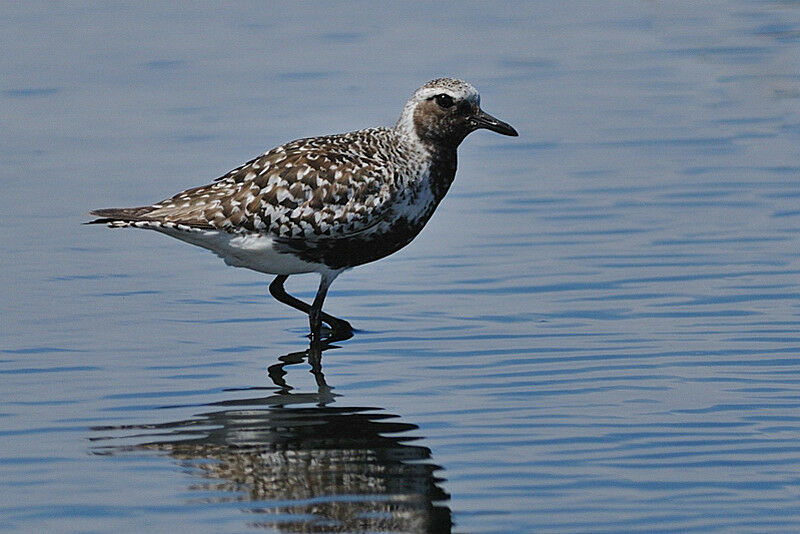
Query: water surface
596	332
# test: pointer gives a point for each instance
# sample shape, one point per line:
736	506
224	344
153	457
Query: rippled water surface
597	331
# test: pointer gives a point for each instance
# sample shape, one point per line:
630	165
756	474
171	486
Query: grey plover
326	204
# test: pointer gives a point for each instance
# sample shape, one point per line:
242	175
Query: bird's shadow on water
303	463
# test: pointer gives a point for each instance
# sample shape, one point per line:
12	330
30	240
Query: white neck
405	125
407	131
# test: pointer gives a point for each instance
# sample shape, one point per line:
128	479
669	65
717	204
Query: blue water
597	331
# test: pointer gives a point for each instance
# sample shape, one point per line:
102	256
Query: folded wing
309	189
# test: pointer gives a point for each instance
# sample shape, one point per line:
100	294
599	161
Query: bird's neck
442	172
438	159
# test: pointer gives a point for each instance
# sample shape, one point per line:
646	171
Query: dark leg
276	289
315	313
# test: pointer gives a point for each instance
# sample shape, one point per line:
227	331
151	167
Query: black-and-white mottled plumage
325	204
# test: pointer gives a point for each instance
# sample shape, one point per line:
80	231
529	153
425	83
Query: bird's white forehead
458	89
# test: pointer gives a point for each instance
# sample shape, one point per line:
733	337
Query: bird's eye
444	101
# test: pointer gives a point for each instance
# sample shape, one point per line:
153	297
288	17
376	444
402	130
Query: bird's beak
483	120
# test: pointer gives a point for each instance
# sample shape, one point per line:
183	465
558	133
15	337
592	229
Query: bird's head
444	111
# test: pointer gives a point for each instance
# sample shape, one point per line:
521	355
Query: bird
329	203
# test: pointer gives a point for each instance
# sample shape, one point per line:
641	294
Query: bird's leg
277	290
315	313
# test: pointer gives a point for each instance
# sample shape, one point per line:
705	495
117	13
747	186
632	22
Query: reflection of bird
325	204
312	469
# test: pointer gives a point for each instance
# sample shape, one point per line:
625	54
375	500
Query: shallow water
596	332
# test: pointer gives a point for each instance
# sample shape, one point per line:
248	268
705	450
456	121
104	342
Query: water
597	332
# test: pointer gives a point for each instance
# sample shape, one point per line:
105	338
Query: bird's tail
120	217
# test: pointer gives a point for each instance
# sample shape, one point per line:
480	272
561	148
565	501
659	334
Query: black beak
484	120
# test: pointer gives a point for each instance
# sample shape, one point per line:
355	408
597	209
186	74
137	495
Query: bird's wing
310	189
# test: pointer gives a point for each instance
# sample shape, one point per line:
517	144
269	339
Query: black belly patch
342	253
